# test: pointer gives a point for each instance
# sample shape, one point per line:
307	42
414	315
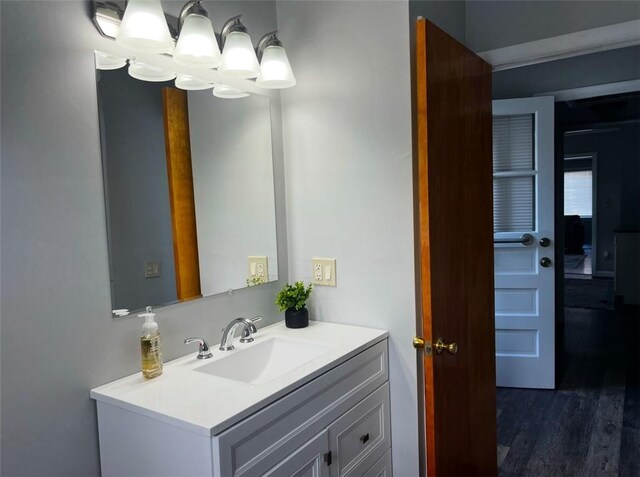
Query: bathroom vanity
311	401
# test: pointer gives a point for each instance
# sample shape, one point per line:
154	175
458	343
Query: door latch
419	343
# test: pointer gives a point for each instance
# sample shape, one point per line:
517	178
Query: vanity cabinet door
361	436
307	461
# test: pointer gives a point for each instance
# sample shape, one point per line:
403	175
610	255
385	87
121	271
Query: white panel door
523	158
307	461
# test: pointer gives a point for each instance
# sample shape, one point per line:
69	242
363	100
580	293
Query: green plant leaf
293	296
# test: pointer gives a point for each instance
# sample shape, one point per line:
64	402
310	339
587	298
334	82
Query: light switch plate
151	269
323	271
258	271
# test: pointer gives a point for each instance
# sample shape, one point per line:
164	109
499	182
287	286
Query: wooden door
181	196
453	148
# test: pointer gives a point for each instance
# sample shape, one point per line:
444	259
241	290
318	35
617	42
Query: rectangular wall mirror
189	191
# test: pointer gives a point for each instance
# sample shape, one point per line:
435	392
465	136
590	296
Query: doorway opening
580	179
589	424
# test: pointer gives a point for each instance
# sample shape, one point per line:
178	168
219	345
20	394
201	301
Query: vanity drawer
382	468
362	435
262	440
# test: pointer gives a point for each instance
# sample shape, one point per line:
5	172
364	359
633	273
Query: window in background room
578	187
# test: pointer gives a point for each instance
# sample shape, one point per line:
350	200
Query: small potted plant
292	300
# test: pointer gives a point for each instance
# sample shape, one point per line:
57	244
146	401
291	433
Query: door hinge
328	458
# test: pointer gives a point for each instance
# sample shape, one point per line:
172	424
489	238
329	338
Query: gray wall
347	135
135	167
233	187
618	176
58	340
496	24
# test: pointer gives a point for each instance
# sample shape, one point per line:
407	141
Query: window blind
514	173
578	187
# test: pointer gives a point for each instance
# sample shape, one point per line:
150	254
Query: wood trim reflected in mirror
181	196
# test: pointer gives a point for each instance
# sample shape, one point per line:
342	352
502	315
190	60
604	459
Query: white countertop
208	404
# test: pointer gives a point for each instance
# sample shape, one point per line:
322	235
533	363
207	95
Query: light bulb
144	28
197	45
238	56
275	70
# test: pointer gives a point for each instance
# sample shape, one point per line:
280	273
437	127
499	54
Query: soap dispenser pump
150	346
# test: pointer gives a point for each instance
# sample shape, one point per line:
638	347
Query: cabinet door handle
364	438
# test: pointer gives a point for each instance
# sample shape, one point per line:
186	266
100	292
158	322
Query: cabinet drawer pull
364	438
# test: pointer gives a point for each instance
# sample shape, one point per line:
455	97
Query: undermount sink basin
264	361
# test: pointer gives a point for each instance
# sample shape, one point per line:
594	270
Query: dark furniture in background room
573	235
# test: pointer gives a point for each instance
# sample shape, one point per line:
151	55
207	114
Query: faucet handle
203	349
249	329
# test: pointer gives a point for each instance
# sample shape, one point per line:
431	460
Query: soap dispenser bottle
150	346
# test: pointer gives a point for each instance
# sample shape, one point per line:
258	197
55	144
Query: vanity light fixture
197	44
239	59
275	70
107	18
145	72
105	61
144	28
221	90
191	83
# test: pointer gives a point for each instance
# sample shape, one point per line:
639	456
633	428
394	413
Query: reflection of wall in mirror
138	216
233	186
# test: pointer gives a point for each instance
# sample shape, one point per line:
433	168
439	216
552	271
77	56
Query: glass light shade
275	70
238	56
144	28
105	61
197	45
145	72
192	83
221	90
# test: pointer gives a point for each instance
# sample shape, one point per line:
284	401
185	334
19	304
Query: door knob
545	242
545	262
440	346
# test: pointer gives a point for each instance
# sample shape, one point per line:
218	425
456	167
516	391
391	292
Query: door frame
594	204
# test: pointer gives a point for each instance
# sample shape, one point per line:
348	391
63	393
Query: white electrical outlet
323	271
258	269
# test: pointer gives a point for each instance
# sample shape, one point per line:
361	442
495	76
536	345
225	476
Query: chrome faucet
248	328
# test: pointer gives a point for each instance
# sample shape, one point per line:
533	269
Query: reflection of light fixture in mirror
197	44
105	61
221	90
144	28
146	72
275	70
238	56
189	82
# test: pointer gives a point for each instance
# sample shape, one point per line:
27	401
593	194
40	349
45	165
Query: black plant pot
296	318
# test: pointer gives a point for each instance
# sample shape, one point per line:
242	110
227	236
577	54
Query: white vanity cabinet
335	424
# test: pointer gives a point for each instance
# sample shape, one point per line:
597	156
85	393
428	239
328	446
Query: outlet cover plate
323	271
258	269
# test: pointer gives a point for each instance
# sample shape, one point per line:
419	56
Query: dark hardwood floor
590	425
